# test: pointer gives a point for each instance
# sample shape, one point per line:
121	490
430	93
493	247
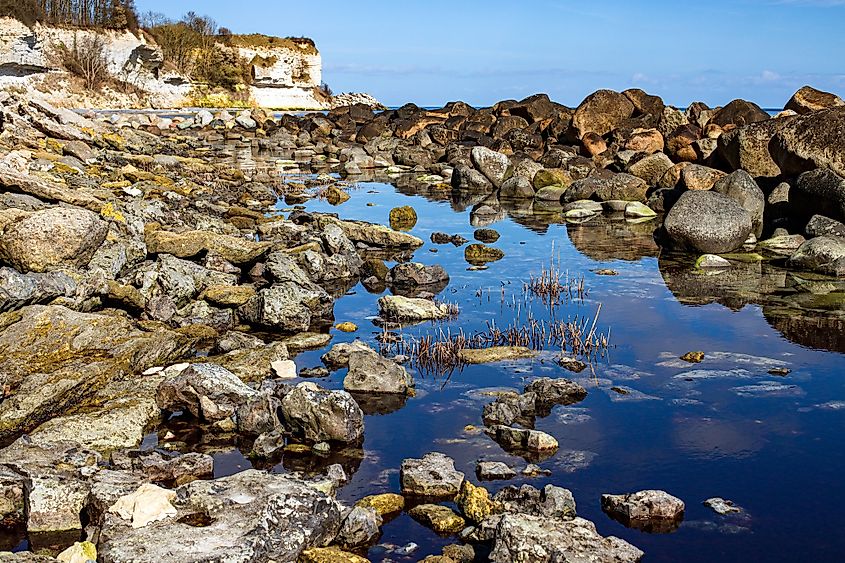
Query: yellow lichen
109	211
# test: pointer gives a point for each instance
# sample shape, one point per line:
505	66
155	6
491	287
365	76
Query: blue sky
430	52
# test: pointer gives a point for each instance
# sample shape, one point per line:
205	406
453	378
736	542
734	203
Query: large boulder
607	187
825	255
319	415
708	222
18	290
208	391
369	372
739	113
748	147
288	306
807	100
816	140
191	243
52	237
494	165
250	516
533	539
819	191
602	112
741	187
53	359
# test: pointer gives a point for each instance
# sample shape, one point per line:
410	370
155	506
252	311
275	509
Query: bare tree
86	58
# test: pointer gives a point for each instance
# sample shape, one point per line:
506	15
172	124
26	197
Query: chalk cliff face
286	73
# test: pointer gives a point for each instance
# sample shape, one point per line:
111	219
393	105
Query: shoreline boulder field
145	279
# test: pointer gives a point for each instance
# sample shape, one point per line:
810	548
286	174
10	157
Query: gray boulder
288	306
208	391
250	516
708	222
517	187
825	255
338	356
494	165
319	415
741	187
413	274
432	476
623	187
533	539
820	226
18	290
359	528
819	191
52	237
369	372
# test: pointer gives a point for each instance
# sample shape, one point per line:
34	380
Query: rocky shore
146	280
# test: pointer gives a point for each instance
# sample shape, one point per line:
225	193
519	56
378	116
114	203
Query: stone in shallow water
432	476
384	504
495	354
712	261
650	510
722	506
441	519
479	254
492	470
396	307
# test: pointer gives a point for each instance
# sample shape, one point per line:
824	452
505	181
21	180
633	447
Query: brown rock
808	99
602	112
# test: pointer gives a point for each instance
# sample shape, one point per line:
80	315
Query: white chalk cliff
286	73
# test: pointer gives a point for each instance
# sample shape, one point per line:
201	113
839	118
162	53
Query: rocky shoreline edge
142	274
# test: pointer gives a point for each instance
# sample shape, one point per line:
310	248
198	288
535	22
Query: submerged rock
722	506
432	476
493	470
495	354
480	254
403	218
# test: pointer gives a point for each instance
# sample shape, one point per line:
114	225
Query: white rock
284	369
150	503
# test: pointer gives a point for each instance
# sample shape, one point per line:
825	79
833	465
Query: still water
722	428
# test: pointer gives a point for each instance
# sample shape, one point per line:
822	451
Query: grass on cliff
296	44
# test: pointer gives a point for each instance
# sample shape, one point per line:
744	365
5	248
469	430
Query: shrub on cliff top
86	58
